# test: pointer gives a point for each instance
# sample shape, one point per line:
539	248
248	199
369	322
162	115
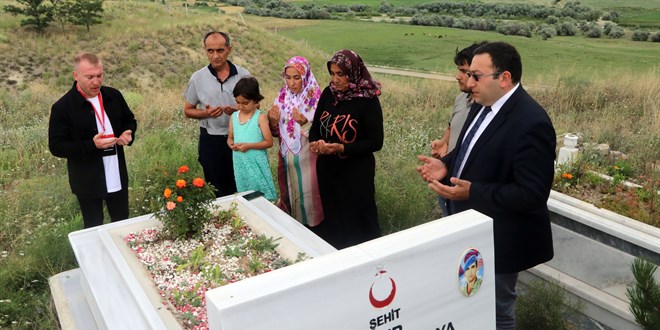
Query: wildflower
180	183
167	193
183	169
567	176
170	206
179	199
198	182
616	167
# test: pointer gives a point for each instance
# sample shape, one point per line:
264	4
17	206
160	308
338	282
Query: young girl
249	137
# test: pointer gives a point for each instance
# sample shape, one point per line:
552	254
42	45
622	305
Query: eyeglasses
477	76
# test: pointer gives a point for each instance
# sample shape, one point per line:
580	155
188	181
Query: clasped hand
242	147
219	110
322	148
104	143
433	170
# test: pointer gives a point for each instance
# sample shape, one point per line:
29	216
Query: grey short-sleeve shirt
204	89
459	114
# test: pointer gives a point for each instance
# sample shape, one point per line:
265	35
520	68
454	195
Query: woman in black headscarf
347	129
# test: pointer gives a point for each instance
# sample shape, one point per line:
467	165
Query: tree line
570	19
39	14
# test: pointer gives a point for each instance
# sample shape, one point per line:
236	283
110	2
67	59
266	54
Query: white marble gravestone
113	290
407	280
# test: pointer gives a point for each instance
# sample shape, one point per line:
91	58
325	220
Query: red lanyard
100	118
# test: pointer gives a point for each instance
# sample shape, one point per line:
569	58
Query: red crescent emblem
382	303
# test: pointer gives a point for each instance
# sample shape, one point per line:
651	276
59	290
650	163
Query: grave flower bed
196	247
184	269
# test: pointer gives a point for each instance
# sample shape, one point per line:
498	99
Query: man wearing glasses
462	104
210	99
503	167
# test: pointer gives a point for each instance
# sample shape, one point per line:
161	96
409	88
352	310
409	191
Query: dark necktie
466	142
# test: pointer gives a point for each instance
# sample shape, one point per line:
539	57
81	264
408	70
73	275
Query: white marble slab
117	289
333	291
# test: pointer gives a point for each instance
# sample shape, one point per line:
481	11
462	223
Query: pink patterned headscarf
305	102
361	85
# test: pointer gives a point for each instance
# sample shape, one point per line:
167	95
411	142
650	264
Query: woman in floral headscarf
346	131
290	118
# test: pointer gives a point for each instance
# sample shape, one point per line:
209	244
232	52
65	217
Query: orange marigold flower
183	169
167	193
567	176
179	199
180	183
198	182
170	206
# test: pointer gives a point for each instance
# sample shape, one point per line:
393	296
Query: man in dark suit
502	167
89	126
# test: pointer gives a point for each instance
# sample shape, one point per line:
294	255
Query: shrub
639	35
359	8
385	7
614	16
182	202
547	31
552	20
645	294
516	29
544	306
566	28
608	27
594	31
616	32
337	8
656	37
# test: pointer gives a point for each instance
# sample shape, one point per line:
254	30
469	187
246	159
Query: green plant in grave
215	275
183	203
236	224
620	171
195	260
228	215
188	297
255	266
234	252
644	295
262	244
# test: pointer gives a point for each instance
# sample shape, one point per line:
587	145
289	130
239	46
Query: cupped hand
213	112
431	169
460	190
438	148
299	117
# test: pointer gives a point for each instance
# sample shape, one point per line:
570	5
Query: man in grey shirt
462	104
209	98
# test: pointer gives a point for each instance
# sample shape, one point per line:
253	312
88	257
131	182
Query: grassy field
149	52
421	48
644	13
649	4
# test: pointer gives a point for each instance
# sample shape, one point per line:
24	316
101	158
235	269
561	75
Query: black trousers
216	160
92	208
